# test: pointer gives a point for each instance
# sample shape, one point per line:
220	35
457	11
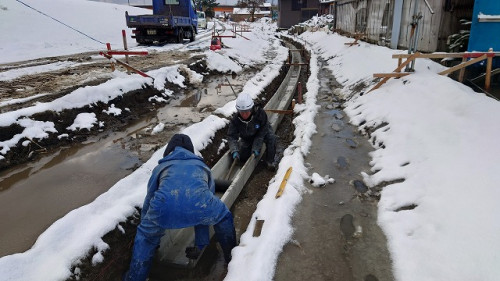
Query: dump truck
172	20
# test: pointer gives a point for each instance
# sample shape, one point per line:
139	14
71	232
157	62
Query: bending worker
251	126
180	194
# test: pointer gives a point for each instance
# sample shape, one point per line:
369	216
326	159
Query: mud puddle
36	195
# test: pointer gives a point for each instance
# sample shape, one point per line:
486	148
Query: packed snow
440	138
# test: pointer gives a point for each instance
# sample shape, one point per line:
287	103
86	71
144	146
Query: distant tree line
251	5
206	6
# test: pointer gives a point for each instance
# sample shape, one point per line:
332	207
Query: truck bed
157	21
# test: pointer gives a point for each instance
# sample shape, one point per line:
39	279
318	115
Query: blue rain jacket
181	193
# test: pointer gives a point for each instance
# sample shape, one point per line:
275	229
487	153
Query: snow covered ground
441	221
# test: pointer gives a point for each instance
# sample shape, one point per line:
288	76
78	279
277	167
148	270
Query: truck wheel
193	35
180	36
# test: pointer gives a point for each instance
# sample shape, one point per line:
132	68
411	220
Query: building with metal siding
424	24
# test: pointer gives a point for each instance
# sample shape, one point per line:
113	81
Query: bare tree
251	5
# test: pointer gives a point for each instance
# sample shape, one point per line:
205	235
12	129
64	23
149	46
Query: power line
59	21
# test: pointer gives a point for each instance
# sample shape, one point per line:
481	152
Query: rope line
59	21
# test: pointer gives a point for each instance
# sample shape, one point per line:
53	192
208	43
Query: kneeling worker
250	124
180	194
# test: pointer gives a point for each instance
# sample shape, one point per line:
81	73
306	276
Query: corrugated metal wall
374	17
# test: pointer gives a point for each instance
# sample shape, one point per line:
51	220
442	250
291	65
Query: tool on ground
283	183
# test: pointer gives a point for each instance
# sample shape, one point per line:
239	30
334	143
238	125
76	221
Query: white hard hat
244	102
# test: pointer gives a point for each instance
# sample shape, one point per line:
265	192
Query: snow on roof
246	11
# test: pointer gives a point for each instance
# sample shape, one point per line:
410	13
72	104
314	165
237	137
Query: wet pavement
336	233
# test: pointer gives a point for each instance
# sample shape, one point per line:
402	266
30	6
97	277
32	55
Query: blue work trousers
148	238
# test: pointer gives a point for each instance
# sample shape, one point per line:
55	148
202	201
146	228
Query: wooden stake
108	46
125	45
489	62
398	69
462	71
258	228
283	183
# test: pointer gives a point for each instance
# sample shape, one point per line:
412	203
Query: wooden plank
125	65
394	74
462	72
139	53
457	67
398	69
352	43
258	228
410	59
283	183
446	55
487	80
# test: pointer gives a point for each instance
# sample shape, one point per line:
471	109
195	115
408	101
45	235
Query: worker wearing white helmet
248	130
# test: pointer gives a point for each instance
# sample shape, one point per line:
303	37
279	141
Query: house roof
246	11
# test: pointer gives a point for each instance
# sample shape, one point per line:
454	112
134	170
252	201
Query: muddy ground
211	266
94	72
59	83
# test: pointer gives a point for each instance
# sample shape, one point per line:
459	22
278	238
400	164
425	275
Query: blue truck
172	20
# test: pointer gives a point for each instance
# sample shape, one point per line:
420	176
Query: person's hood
180	153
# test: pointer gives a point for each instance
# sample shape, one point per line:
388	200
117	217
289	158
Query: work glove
236	155
256	153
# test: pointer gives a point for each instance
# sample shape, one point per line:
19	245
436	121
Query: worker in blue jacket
180	194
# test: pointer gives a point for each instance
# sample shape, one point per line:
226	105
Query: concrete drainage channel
211	266
246	198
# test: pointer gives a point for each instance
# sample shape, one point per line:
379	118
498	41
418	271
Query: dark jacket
251	131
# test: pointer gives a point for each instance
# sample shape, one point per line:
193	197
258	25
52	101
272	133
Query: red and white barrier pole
108	46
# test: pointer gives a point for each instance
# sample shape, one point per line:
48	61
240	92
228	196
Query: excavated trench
113	154
73	173
211	266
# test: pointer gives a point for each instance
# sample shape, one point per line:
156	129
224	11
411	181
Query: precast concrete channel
245	196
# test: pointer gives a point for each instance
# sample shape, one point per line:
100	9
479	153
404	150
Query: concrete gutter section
174	242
